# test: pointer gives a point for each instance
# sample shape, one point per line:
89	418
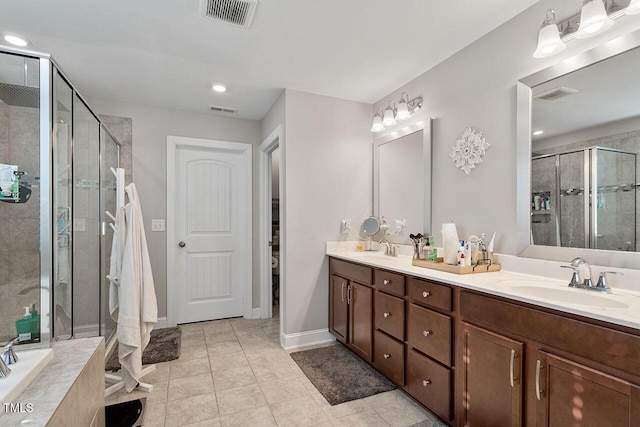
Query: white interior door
212	230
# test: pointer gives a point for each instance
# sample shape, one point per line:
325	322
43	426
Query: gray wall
151	126
327	159
477	87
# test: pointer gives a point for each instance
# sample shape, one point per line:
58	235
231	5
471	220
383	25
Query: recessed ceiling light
16	40
537	132
219	88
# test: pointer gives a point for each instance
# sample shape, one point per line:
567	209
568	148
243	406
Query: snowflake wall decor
469	150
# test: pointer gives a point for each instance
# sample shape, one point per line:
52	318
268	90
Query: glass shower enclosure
55	186
585	198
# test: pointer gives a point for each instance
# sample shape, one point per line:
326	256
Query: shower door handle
182	244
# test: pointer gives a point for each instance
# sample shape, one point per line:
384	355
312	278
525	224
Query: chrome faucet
389	249
9	357
581	277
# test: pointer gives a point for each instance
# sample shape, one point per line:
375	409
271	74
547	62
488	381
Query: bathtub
30	363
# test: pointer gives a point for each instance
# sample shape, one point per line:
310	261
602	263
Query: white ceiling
163	53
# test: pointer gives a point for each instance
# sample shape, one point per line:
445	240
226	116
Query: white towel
136	309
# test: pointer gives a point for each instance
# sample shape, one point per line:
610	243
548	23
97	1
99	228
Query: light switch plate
157	225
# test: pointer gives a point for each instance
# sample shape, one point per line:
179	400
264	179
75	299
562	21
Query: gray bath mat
164	346
339	375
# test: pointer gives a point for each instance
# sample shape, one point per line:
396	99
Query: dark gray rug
339	375
164	346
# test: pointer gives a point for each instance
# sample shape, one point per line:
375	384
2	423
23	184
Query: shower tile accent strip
69	392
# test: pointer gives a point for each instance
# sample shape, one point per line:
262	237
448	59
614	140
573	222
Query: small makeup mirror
370	225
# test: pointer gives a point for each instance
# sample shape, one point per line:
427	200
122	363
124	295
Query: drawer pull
539	391
387	356
426	333
426	382
426	294
387	314
386	282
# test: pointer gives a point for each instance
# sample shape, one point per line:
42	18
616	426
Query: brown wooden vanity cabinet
351	306
513	364
574	372
389	319
491	369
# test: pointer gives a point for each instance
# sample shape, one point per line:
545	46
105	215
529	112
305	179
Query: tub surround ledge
69	392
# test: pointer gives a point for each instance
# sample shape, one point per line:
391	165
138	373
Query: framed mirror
402	180
578	157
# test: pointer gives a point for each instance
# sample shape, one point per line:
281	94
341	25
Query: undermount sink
374	256
569	295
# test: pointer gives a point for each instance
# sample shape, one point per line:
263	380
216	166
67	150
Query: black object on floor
164	345
339	375
126	414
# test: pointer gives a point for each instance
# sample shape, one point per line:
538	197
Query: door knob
182	244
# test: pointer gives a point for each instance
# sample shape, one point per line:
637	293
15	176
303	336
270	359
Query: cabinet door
571	394
361	319
338	308
492	370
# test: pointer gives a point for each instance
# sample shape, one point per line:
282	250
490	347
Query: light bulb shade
633	8
403	111
377	124
593	19
388	119
549	42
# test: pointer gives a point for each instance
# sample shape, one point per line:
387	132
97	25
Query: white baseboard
306	339
255	313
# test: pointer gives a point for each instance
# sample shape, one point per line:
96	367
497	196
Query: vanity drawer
430	333
392	283
389	315
428	293
388	357
429	383
355	272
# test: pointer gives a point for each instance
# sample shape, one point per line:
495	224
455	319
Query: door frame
266	148
174	143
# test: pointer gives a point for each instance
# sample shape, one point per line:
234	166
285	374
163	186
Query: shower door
63	194
86	220
573	214
109	159
613	207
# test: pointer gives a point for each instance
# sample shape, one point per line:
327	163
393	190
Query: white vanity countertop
622	307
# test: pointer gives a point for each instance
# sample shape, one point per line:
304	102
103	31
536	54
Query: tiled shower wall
19	223
628	142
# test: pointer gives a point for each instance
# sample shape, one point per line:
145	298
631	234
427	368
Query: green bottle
24	326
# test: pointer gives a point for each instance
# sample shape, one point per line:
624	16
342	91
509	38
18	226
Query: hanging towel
136	309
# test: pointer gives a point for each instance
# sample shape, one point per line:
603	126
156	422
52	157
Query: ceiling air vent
555	93
234	12
226	110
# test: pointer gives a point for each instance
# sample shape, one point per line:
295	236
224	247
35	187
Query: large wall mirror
402	180
578	157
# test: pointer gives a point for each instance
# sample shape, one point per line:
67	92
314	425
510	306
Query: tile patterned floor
234	373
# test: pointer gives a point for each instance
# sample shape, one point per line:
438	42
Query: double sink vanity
491	349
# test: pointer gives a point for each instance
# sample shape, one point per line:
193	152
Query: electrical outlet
79	224
157	225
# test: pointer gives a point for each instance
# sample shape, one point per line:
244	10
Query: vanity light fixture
633	8
593	19
377	122
389	118
391	115
596	17
549	41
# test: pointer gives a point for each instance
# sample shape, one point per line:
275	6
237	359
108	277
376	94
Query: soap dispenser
24	326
